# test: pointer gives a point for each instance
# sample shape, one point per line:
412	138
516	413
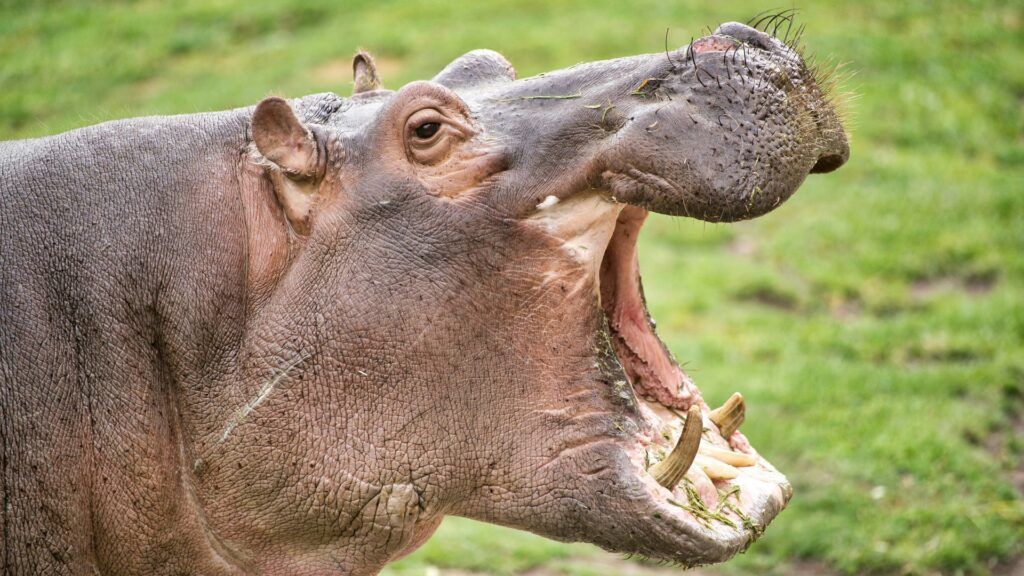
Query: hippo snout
727	130
834	149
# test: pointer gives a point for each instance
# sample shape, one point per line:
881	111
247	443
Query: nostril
834	151
828	163
746	34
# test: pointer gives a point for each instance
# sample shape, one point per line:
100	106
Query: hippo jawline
729	493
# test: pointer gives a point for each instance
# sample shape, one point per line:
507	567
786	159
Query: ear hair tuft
364	73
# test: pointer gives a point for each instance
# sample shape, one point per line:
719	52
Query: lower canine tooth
728	456
730	415
671	470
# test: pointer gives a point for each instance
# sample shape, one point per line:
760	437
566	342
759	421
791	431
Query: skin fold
291	338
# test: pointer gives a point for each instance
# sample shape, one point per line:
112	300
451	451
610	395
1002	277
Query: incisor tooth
671	470
728	456
730	415
704	486
716	469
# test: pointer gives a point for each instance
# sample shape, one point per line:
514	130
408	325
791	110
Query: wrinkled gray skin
213	363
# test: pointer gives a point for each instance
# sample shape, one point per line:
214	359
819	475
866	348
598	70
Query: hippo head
456	324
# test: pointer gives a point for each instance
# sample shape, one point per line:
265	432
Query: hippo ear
281	138
291	147
364	73
476	68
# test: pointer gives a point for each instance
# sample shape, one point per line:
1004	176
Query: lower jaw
729	491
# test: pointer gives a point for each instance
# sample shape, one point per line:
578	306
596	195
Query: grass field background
875	322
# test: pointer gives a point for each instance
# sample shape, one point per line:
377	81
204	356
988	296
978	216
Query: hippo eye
426	130
431	135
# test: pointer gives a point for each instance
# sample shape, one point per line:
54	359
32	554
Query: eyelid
433	149
424	116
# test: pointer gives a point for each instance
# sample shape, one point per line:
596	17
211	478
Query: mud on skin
291	338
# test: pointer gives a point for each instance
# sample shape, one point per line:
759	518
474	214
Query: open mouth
697	491
705	487
699	469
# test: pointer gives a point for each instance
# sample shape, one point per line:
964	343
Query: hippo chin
292	338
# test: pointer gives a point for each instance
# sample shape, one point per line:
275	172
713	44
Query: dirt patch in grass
981	282
1000	444
975	284
1013	567
845	309
769	296
743	246
1017	475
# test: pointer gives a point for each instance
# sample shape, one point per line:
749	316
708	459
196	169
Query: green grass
875	322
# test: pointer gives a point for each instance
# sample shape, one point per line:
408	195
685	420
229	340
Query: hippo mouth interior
728	493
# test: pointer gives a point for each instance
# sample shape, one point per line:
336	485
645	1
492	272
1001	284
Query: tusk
730	415
716	469
728	456
671	470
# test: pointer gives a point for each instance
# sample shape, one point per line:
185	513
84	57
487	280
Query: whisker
758	15
763	18
788	15
696	69
795	46
671	64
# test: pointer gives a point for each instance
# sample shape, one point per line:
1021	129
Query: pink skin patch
713	44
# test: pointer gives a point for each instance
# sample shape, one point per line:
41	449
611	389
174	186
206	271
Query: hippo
291	338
